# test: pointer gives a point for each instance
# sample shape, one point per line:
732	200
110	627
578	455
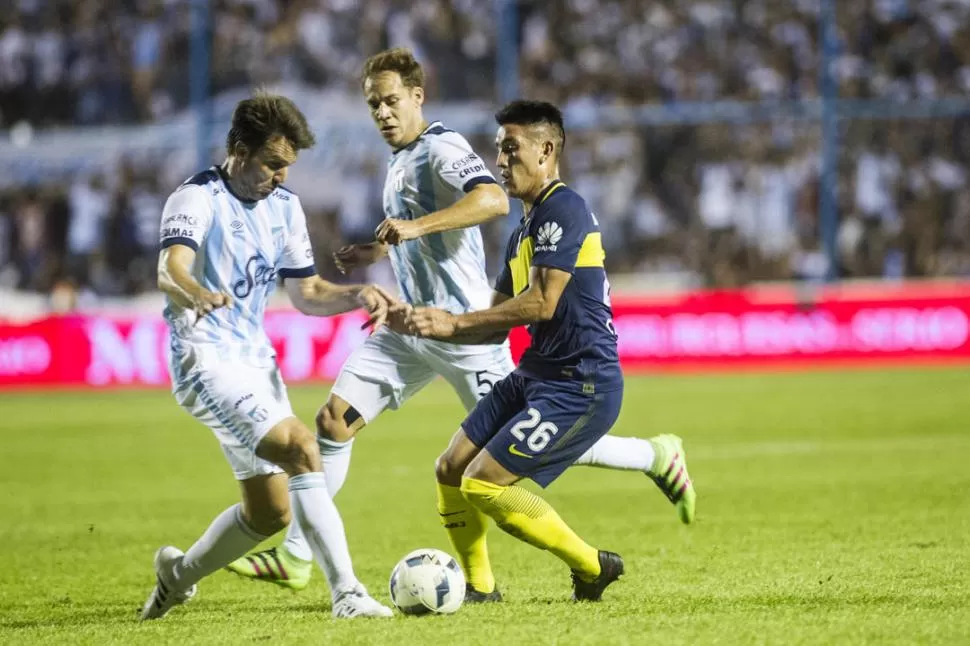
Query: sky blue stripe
438	241
174	360
400	273
210	275
456	297
425	178
417	263
238	252
419	270
426	200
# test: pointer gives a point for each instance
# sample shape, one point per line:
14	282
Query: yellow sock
531	519
466	527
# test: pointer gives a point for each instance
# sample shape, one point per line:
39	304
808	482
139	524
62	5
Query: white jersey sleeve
297	258
454	161
186	217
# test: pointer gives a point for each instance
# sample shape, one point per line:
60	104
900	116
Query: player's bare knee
448	470
305	453
297	451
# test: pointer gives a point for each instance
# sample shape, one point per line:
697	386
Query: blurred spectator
31	240
89	202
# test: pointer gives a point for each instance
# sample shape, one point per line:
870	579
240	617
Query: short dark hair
400	60
531	113
259	118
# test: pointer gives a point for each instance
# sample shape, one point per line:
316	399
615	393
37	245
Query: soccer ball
427	581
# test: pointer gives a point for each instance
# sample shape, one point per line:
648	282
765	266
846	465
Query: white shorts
241	403
389	368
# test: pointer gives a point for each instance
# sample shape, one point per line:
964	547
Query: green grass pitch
833	508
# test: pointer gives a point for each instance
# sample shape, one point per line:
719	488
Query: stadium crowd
721	204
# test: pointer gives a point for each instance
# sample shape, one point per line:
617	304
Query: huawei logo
548	236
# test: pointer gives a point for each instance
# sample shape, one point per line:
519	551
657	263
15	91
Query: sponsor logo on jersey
471	170
465	161
548	236
399	180
181	218
258	272
175	232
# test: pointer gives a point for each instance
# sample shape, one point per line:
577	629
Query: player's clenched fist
431	322
397	317
395	231
378	302
205	301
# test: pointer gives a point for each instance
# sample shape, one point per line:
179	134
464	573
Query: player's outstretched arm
537	303
175	279
482	203
318	297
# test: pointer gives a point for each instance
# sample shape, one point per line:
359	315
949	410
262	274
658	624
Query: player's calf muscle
266	503
266	520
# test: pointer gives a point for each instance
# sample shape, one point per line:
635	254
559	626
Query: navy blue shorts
537	428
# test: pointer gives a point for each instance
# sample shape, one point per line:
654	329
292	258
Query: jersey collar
411	145
544	194
225	181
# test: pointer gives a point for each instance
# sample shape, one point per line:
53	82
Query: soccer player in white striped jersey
228	234
436	192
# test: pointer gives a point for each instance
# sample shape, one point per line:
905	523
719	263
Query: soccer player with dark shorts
567	391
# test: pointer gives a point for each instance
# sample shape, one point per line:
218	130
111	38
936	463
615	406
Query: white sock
314	511
295	543
622	453
336	463
227	538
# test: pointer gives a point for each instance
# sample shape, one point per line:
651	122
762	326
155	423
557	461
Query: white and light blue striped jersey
445	270
242	248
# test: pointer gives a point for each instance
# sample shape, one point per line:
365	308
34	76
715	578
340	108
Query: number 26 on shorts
539	432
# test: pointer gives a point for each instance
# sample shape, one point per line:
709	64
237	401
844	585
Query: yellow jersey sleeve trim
520	266
591	254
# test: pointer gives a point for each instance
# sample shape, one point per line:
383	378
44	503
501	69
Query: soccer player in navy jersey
566	393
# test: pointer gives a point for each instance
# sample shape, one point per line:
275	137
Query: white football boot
357	603
165	595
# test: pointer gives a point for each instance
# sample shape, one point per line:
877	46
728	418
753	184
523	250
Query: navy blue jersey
579	342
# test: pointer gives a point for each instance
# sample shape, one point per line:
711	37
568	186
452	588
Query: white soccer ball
427	581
